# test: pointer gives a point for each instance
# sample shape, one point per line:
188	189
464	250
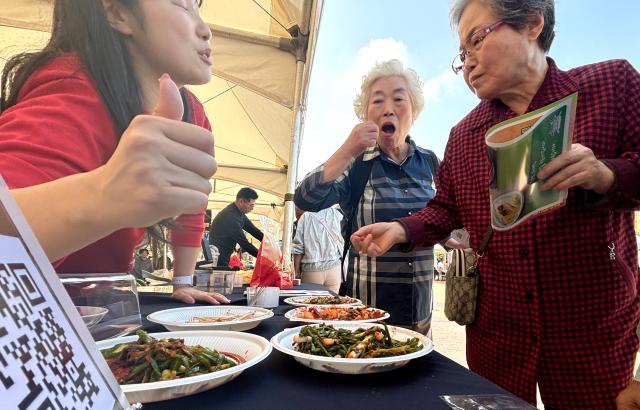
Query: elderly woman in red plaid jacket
558	302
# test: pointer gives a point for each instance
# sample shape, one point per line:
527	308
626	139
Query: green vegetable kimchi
325	340
152	360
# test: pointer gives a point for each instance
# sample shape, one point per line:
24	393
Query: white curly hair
390	68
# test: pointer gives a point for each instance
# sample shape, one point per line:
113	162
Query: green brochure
518	148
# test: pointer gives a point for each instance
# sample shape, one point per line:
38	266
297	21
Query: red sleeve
189	231
191	227
59	127
625	191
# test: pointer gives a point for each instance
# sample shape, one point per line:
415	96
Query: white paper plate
300	292
92	315
252	348
292	315
283	342
178	319
299	301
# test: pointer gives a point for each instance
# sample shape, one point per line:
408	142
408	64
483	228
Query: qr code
38	367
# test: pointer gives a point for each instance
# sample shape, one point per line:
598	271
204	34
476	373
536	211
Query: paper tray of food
301	292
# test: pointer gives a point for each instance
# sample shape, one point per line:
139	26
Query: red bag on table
267	272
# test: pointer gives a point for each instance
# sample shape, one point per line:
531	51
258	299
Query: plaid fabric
398	282
554	308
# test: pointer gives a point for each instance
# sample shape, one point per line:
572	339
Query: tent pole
292	175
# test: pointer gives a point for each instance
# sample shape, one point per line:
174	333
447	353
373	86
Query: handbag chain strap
480	252
484	243
460	263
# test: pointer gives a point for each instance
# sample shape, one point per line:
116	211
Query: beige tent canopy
262	53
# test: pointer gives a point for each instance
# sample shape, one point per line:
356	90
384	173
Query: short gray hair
384	69
516	13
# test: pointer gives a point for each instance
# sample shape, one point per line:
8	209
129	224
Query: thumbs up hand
170	103
160	168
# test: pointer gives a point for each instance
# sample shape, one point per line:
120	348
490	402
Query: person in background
99	127
228	227
558	297
317	248
395	176
439	270
142	263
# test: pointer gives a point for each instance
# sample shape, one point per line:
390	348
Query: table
279	382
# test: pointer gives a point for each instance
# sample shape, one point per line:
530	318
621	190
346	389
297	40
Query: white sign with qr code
48	359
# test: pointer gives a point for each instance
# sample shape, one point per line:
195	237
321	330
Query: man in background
228	227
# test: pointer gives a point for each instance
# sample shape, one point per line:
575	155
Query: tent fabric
250	100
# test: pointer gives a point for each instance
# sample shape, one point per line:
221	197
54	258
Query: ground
448	337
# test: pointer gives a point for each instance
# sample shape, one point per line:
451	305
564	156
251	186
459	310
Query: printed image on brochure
518	148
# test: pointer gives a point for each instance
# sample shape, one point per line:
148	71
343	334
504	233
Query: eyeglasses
473	44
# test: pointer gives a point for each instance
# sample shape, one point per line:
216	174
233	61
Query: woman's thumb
169	102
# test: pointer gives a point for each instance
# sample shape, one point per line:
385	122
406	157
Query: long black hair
81	26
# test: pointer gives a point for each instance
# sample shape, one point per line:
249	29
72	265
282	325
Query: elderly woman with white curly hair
376	175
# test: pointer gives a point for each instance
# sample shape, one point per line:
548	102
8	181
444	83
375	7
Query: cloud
348	85
446	83
327	127
376	50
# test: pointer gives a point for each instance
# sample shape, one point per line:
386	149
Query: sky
354	34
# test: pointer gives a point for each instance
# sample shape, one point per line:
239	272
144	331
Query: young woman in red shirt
99	138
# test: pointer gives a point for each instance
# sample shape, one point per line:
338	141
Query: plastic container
108	303
222	281
238	280
214	254
202	278
267	297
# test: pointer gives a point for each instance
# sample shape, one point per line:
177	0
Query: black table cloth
279	382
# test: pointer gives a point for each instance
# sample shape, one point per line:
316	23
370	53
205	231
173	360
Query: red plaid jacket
554	308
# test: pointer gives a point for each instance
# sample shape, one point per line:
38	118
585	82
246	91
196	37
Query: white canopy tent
262	54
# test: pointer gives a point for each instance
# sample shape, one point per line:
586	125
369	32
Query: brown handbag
461	286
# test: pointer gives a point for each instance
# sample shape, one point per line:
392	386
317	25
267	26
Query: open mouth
388	128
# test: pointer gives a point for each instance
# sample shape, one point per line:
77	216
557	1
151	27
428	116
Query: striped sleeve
435	222
314	195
